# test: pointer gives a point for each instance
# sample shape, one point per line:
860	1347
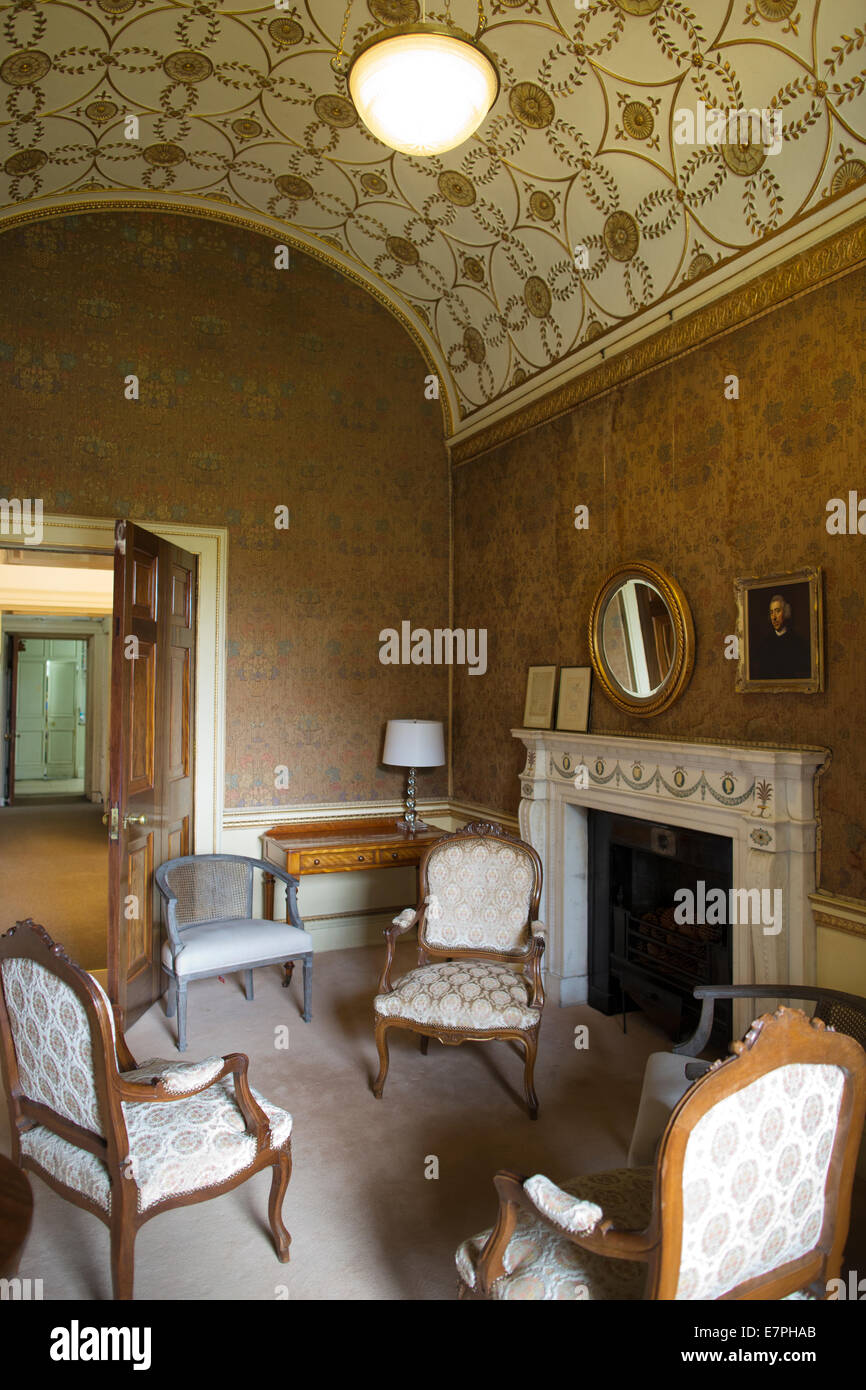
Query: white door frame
210	544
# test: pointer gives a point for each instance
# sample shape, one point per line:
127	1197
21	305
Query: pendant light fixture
421	88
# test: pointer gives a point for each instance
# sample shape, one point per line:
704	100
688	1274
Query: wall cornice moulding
839	914
802	273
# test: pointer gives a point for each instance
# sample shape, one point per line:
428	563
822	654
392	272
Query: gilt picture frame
780	631
540	695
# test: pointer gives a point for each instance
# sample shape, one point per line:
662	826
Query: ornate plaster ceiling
239	110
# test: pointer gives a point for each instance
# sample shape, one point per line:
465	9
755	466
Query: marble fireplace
765	799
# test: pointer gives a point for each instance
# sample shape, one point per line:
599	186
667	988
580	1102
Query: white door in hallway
49	708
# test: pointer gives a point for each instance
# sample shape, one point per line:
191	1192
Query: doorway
46	844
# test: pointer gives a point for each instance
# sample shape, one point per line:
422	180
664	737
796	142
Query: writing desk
335	847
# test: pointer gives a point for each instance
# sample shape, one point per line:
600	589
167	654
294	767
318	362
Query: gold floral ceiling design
573	211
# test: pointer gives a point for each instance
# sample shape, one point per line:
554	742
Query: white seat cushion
231	945
472	994
176	1147
664	1082
540	1264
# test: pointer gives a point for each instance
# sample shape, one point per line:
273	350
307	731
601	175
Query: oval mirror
641	638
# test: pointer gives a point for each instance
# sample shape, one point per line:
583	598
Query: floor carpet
54	868
366	1220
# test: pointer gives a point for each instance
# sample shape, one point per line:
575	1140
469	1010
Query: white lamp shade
414	743
423	94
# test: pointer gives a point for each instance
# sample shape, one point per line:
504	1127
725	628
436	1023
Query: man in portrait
780	653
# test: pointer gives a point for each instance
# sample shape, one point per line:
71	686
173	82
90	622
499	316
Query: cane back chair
668	1075
479	950
211	929
749	1198
123	1141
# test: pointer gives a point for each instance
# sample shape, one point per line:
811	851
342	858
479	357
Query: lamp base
412	826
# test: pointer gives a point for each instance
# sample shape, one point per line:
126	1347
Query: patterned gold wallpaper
710	489
601	185
257	388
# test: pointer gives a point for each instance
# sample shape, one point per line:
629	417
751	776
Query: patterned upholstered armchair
479	950
749	1198
212	931
125	1142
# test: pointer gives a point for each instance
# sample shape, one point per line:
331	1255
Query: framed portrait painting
572	710
540	693
780	627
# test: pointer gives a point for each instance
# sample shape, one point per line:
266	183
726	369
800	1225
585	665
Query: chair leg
249	985
308	986
530	1044
288	967
424	1044
279	1182
122	1247
169	999
382	1048
181	1018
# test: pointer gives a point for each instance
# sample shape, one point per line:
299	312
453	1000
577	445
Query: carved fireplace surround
763	798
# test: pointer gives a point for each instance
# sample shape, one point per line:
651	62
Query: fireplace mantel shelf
763	798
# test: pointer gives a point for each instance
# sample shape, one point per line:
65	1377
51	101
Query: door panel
142	719
61	711
30	708
152	685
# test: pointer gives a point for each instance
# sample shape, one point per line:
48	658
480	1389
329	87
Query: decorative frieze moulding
840	914
764	799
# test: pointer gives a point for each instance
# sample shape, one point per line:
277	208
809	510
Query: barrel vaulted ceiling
240	112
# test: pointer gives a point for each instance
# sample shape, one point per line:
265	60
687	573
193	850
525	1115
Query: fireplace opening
651	937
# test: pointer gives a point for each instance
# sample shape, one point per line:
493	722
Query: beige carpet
365	1222
54	868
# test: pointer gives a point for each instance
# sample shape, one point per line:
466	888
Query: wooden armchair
479	950
668	1075
750	1196
211	929
123	1141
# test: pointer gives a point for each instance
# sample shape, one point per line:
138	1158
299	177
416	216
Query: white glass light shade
423	94
414	743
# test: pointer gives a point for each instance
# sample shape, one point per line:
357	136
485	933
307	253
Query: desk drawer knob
394	854
360	858
316	861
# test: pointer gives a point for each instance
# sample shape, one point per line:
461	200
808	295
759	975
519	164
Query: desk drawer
329	861
400	854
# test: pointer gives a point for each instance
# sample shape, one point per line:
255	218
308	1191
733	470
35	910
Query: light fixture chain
337	60
482	19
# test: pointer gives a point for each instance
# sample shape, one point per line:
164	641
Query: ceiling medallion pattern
572	211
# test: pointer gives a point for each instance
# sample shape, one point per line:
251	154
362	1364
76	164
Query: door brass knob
134	820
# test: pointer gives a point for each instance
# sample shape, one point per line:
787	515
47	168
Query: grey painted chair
212	931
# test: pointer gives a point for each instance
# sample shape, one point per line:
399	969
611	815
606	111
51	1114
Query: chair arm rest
534	954
169	1081
538	929
576	1220
160	1080
571	1215
403	922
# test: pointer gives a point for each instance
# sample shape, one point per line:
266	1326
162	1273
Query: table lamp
413	743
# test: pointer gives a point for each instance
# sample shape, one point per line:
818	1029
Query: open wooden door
150	813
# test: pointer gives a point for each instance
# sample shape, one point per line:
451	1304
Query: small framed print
540	693
780	627
572	710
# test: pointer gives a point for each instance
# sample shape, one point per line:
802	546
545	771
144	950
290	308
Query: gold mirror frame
684	640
